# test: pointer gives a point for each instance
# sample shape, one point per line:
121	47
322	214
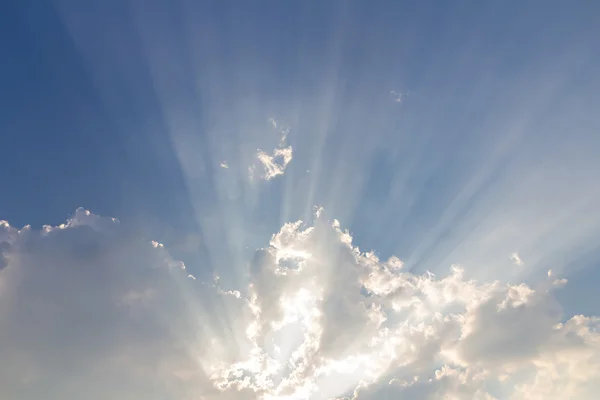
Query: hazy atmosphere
299	200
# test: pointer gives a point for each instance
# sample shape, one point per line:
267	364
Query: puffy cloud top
91	311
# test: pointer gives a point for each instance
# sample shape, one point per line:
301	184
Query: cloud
396	96
276	163
90	310
444	383
516	259
273	164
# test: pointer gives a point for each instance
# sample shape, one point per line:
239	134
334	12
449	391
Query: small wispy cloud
275	163
396	96
284	134
273	123
251	172
516	259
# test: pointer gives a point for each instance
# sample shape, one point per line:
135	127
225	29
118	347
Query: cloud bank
90	310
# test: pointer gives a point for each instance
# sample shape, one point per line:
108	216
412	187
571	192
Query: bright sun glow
316	200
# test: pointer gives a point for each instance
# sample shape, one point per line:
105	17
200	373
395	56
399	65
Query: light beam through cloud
453	253
318	319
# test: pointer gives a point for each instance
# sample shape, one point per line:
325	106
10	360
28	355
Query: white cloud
274	164
396	96
90	311
516	259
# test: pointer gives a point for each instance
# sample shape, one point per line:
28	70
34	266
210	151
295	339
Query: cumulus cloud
88	310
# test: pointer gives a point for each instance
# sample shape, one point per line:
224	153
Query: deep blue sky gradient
84	120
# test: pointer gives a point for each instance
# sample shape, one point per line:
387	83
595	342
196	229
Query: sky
357	200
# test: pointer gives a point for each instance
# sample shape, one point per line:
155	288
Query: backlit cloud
274	164
89	310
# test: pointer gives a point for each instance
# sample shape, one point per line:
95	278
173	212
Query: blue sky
444	133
